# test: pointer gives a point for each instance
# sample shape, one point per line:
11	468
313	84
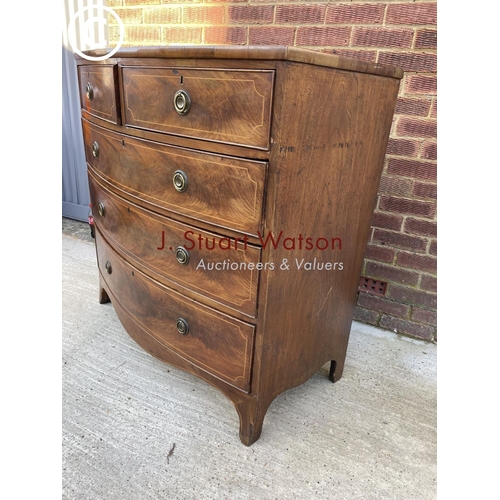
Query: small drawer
183	257
216	343
232	107
98	92
225	191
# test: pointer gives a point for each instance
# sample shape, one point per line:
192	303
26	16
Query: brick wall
402	247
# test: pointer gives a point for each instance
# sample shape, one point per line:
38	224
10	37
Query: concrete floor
135	428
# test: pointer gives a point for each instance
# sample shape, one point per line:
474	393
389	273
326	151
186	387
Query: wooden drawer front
150	241
220	190
215	342
101	99
232	107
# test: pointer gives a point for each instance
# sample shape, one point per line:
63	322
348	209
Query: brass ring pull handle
182	256
109	269
180	181
95	149
100	209
182	326
89	90
182	102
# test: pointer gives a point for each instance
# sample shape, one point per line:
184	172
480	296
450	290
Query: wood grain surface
225	191
326	167
252	53
306	208
105	96
220	271
215	342
226	106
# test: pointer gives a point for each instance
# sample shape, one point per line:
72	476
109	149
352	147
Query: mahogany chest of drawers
232	190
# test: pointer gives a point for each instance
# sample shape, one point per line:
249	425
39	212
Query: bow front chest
232	190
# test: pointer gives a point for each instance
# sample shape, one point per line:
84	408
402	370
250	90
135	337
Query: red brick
418	84
371	233
143	35
410	61
383	305
366	316
426	39
424	190
271	36
181	35
428	283
429	150
418	262
434	109
323	35
415	127
382	254
407	327
363	55
131	16
387	221
420	227
391	273
415	107
407	206
412	296
225	35
251	14
433	248
424	316
162	15
355	14
394	185
203	15
399	240
114	35
300	14
402	147
412	168
412	13
141	2
382	37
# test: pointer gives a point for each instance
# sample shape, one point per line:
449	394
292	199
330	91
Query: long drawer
217	343
219	105
192	261
221	190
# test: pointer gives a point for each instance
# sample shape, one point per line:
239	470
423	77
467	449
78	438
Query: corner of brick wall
402	248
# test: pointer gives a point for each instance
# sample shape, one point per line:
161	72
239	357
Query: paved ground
135	428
